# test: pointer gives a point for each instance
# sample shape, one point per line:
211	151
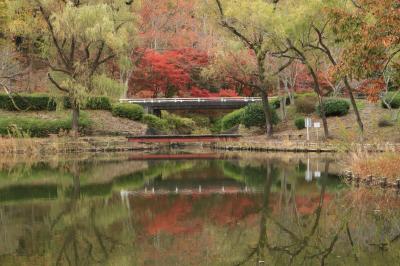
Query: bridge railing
191	100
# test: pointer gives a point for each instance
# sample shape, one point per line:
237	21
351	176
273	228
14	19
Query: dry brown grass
376	164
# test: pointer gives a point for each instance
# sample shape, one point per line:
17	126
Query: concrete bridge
155	105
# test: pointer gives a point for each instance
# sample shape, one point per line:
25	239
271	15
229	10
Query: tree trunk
268	114
320	99
75	120
263	237
323	116
264	94
354	104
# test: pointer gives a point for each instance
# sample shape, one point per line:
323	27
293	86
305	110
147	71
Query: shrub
216	126
276	103
335	107
300	123
31	102
393	99
305	104
254	116
156	123
179	124
232	119
36	127
384	123
98	103
131	111
201	121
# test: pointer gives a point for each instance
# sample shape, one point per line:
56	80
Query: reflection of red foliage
233	210
181	214
174	220
308	205
176	215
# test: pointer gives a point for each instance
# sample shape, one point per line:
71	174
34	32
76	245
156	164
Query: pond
192	207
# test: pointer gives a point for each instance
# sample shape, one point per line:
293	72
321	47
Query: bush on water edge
179	125
131	111
36	127
160	126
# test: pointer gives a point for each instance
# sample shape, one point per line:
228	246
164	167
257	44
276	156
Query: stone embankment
372	181
258	144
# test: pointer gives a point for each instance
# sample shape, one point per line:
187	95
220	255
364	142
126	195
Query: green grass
28	125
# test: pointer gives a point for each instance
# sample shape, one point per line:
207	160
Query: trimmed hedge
232	119
44	102
335	107
254	116
131	111
36	127
31	102
300	123
393	99
156	123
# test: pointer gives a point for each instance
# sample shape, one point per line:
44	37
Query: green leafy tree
255	24
77	39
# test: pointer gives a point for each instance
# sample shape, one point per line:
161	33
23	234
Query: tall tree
324	41
254	24
77	38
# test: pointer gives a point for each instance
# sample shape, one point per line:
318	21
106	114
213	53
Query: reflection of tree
298	245
82	242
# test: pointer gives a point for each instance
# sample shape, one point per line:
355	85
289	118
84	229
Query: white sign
317	124
317	174
308	122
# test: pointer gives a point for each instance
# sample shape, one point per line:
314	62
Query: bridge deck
183	138
193	103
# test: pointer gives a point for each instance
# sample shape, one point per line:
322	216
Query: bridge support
152	111
157	112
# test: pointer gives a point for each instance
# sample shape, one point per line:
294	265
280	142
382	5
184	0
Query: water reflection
183	210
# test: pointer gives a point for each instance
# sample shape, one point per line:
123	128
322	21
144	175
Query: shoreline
303	146
96	144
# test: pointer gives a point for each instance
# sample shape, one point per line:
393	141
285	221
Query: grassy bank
365	165
65	145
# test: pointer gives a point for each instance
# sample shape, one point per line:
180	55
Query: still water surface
192	208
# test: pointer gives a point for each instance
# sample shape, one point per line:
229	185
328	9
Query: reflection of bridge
183	156
198	191
155	105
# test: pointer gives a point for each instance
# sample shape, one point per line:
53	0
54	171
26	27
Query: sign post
317	125
308	124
